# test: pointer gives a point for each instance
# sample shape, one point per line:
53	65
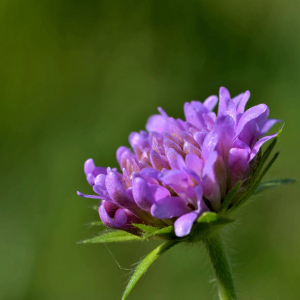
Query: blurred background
76	78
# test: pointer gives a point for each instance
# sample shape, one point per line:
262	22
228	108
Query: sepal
150	232
145	228
208	224
166	233
113	236
272	184
229	198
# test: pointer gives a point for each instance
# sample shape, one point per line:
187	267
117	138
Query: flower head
177	170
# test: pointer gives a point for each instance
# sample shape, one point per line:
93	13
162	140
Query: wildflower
181	179
177	170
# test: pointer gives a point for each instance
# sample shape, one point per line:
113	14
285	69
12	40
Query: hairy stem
219	259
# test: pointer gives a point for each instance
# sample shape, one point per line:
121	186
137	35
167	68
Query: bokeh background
76	78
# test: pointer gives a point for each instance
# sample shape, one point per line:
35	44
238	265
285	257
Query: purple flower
177	169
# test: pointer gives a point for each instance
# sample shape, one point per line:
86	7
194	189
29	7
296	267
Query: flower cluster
177	169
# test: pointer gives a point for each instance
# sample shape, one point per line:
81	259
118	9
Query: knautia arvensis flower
181	179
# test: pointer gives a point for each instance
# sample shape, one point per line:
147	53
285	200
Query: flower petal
156	123
210	102
250	133
191	115
209	144
190	173
90	179
101	192
243	102
100	180
208	121
125	156
200	137
158	192
194	163
237	99
257	113
172	158
90	196
210	183
169	207
241	145
184	224
139	139
117	192
90	168
106	219
202	207
171	137
189	138
142	194
188	148
132	218
157	161
120	152
200	110
149	172
163	113
258	144
120	217
238	164
223	95
110	208
168	144
176	179
224	128
267	126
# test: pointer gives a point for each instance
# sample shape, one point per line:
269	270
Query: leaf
146	228
145	264
208	224
229	197
166	232
212	219
272	184
114	236
255	185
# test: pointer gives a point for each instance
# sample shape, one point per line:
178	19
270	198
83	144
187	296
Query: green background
76	78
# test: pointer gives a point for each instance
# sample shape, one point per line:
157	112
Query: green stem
219	259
